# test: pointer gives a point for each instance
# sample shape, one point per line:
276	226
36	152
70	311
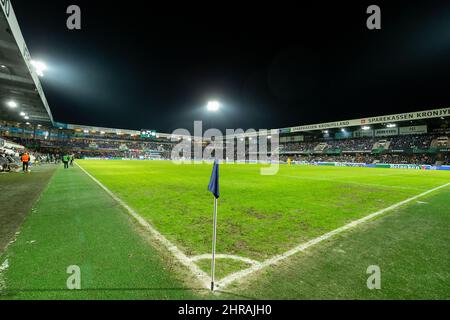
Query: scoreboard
148	134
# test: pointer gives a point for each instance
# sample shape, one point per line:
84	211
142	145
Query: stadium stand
422	141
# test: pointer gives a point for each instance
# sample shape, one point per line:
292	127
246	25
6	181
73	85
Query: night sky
271	65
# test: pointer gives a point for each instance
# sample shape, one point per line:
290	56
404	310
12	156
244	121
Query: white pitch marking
243	273
177	253
224	256
3	268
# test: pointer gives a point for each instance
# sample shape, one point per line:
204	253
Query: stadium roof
20	88
410	118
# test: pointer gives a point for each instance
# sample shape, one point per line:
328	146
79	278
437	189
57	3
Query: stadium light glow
343	130
366	128
23	114
213	106
39	67
26	118
391	125
12	104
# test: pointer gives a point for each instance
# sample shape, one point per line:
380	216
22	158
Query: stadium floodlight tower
213	106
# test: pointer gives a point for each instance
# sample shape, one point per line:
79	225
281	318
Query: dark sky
271	64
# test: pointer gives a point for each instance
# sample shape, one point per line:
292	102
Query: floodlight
39	67
213	106
12	104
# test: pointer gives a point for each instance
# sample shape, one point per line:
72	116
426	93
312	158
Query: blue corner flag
214	183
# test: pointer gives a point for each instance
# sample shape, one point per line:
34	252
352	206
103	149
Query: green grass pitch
259	216
76	223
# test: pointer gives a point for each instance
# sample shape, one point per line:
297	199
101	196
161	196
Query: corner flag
213	187
214	182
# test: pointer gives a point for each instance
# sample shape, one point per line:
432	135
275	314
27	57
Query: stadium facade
420	137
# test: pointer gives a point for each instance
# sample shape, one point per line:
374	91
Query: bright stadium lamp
12	104
39	67
23	114
26	118
213	106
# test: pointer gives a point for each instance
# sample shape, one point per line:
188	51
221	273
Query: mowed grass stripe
77	223
259	216
410	246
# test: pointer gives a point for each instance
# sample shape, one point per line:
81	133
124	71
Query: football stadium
347	209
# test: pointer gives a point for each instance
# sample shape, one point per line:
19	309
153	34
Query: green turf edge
76	223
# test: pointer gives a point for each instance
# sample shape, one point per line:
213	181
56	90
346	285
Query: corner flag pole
213	187
213	262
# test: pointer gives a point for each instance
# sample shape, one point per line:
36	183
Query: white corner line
224	256
4	266
302	247
177	253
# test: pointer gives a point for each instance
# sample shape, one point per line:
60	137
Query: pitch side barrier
381	165
329	164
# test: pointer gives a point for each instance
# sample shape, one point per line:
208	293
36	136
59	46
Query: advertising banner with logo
427	114
386	132
413	130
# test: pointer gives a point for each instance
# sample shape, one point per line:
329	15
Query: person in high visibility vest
66	160
289	161
25	158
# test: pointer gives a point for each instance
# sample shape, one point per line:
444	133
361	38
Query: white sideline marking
241	274
177	253
224	256
3	268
